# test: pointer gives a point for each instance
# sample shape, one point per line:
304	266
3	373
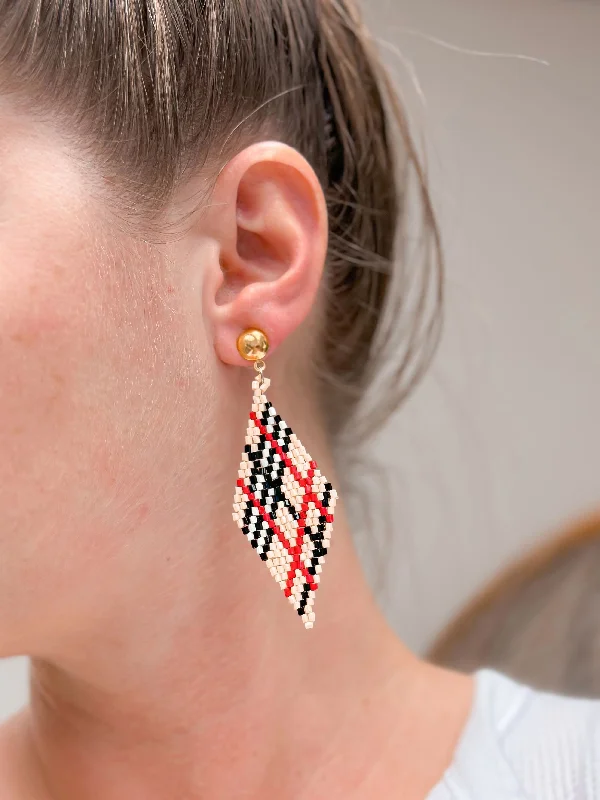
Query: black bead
300	610
254	543
311	571
263	556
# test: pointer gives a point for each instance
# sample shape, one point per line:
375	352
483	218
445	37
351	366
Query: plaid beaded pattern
283	504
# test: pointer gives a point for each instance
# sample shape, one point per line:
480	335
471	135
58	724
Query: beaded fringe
283	504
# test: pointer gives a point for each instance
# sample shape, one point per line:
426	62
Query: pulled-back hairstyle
157	88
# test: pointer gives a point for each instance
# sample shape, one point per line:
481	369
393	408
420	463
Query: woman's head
175	171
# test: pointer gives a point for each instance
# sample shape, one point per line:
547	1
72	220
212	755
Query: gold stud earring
253	344
282	502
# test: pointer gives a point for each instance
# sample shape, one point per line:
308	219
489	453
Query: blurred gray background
500	447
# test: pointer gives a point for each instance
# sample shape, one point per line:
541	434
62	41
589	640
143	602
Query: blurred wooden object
540	621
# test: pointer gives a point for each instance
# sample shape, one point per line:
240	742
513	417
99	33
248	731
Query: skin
165	662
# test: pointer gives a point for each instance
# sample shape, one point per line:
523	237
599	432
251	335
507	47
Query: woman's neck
230	697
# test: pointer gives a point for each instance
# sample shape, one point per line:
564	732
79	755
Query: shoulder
551	742
524	745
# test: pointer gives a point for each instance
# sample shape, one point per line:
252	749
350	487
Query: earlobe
272	240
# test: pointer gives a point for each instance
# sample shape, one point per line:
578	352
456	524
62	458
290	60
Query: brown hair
159	87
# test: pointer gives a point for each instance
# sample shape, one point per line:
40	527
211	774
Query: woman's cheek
42	318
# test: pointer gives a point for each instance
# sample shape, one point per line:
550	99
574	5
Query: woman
174	174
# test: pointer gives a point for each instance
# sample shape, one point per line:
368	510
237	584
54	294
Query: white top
525	745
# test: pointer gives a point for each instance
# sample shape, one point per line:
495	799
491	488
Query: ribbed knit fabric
525	745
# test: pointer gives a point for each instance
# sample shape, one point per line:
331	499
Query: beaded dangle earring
282	502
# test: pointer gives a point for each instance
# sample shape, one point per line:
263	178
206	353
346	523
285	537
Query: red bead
313	586
287	592
313	464
328	518
240	481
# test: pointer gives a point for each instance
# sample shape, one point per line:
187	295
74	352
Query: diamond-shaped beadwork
283	504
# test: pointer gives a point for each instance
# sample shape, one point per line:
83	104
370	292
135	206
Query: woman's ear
269	222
